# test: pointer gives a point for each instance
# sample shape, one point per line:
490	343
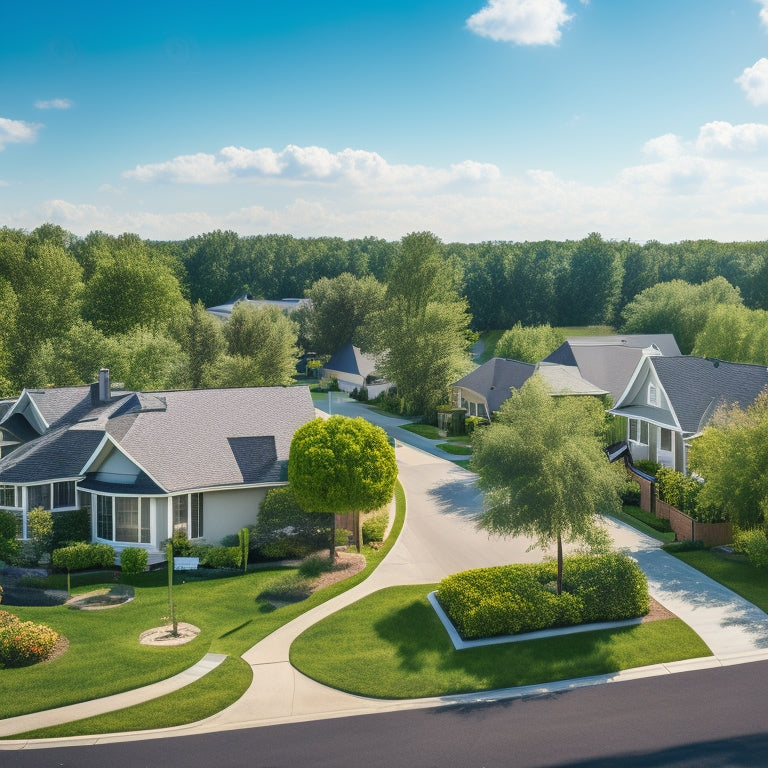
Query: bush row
507	600
81	557
23	642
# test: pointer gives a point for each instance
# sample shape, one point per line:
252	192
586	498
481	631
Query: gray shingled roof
201	439
349	359
494	379
697	386
209	438
224	311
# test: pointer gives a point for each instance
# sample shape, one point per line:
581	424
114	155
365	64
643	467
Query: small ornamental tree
9	546
40	527
341	465
542	467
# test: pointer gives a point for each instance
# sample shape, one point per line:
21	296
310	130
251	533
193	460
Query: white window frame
143	506
653	395
177	506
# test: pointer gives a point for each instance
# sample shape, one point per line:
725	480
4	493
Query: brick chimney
105	387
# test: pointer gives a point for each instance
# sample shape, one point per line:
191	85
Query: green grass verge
392	645
424	430
463	463
105	657
203	698
732	571
457	449
639	525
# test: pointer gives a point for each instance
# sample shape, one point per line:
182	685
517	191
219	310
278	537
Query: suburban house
354	369
224	311
608	362
669	400
147	464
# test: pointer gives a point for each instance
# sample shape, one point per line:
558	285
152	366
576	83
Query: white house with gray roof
147	464
669	400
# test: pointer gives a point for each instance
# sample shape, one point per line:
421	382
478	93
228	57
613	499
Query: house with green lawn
147	464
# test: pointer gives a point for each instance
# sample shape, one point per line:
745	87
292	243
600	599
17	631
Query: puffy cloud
720	136
754	81
17	132
764	12
525	22
304	164
54	104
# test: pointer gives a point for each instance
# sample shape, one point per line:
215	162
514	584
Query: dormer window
653	395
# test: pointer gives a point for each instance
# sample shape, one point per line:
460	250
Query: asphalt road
706	718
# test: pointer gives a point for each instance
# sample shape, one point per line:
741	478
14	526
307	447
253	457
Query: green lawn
429	431
392	645
733	571
626	517
457	449
105	657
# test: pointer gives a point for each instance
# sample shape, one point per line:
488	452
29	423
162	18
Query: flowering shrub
23	642
506	600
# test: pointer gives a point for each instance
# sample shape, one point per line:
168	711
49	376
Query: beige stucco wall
226	512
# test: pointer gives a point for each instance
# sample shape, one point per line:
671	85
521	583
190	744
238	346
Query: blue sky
475	119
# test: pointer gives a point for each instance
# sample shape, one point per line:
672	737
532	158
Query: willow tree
341	465
543	470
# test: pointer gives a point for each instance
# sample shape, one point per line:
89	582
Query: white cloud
763	12
525	22
304	164
754	82
54	104
713	184
17	132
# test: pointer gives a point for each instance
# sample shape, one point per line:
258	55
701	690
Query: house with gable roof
147	464
354	369
669	400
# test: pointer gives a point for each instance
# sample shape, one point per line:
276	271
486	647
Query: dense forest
69	305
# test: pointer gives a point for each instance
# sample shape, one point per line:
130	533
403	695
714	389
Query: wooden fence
684	526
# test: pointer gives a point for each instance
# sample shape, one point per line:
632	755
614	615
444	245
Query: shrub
657	523
754	544
222	557
284	529
630	494
40	530
80	557
134	560
648	467
510	599
23	643
683	546
6	617
71	527
374	527
182	546
678	489
471	423
9	547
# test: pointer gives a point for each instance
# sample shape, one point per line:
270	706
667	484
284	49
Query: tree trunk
332	548
358	532
559	564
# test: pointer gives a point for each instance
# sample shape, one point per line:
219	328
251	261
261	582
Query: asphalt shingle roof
697	386
494	379
349	359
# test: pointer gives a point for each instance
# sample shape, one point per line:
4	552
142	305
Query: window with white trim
39	496
665	439
123	518
104	517
632	429
653	395
188	514
64	495
8	496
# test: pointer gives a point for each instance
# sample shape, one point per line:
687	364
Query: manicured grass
457	449
105	656
203	698
627	517
733	571
463	463
424	430
392	645
490	339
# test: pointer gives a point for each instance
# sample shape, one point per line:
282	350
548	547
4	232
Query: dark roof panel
494	379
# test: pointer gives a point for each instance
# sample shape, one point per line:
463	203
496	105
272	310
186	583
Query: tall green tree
339	306
422	335
265	337
341	465
542	468
204	343
732	457
679	308
132	290
531	343
734	333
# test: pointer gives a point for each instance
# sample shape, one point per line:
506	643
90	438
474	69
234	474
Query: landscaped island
509	599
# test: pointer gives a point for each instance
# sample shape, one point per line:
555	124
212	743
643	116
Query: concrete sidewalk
440	538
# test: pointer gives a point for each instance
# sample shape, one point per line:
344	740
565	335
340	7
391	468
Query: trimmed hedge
222	557
81	557
71	527
134	560
23	642
510	599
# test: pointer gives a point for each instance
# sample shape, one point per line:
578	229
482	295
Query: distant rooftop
224	311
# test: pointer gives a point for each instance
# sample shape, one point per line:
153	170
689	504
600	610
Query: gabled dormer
26	408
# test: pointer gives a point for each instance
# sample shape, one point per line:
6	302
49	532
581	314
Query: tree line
69	305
